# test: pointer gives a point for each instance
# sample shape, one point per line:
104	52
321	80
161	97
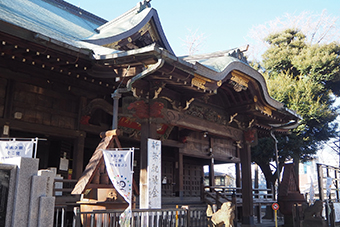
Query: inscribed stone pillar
7	189
46	214
37	190
50	175
26	168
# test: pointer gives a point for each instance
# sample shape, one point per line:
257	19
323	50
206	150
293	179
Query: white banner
311	190
119	166
154	174
10	149
328	186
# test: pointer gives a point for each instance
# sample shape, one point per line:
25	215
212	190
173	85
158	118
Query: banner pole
35	147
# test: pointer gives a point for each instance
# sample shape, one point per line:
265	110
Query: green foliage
304	77
303	95
283	48
289	52
321	63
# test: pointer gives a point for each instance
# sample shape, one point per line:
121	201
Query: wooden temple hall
67	75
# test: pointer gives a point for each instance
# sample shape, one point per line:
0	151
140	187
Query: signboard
336	212
154	174
275	206
13	148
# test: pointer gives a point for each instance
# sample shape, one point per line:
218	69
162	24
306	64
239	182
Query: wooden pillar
238	169
181	174
78	156
238	175
238	185
256	185
147	131
9	96
211	165
247	194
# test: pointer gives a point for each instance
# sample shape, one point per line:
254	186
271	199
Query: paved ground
265	223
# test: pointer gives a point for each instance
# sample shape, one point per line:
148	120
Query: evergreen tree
304	77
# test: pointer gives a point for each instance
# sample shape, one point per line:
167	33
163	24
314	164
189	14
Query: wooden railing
62	192
185	217
64	202
219	194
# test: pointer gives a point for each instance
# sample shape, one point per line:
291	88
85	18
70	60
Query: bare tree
193	42
318	28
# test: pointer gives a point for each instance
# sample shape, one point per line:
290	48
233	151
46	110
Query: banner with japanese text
154	174
119	166
12	148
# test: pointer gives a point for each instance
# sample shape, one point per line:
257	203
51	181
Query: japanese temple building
67	75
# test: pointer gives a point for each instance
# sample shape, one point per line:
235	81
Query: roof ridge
117	18
137	9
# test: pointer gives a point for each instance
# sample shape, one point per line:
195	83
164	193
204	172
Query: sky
224	24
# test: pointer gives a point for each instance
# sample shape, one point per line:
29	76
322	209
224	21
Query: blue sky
225	24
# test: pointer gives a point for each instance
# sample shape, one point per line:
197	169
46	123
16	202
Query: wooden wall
3	84
44	106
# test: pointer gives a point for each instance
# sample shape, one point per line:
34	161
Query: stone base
248	221
314	223
288	221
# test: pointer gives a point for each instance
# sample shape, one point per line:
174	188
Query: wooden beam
40	129
197	124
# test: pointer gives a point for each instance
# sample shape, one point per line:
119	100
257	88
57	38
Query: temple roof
136	39
55	19
138	27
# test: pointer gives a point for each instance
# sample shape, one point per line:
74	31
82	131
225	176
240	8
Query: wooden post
9	96
211	165
237	169
256	186
180	173
336	174
78	156
320	182
147	131
247	192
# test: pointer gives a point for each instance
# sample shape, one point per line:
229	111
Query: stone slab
46	211
26	168
9	176
50	175
38	189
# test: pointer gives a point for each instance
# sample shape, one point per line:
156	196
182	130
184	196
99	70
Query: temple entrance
192	180
168	179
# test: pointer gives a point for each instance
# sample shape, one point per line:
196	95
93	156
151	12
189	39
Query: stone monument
26	198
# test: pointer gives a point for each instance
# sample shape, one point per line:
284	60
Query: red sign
275	206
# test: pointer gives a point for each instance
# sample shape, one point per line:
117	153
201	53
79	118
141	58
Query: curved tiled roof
58	20
127	25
